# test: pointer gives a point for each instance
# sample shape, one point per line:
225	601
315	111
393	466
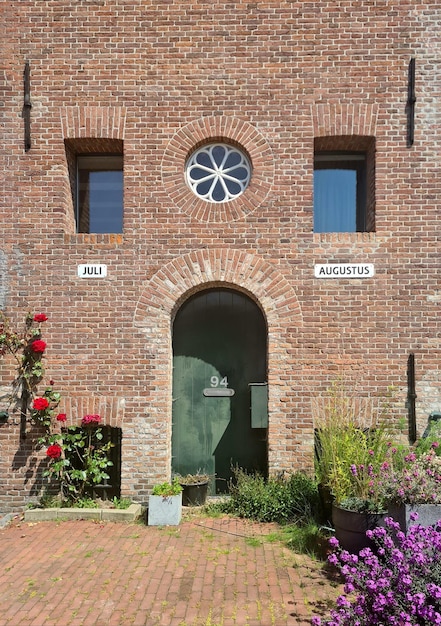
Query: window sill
94	238
343	237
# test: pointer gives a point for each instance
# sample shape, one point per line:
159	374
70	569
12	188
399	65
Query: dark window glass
100	194
339	192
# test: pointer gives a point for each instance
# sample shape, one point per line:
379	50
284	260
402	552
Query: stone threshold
131	514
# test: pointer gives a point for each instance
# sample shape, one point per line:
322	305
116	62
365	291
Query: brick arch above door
187	274
184	276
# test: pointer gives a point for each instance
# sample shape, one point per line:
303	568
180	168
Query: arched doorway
219	386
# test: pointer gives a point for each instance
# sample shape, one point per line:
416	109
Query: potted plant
165	504
410	481
351	444
194	488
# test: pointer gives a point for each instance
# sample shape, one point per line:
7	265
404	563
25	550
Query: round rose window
218	172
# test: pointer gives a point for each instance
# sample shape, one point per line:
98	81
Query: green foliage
85	503
121	503
26	347
277	499
308	538
430	439
168	489
352	440
83	462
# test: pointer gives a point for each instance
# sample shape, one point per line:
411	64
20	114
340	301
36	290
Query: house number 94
215	381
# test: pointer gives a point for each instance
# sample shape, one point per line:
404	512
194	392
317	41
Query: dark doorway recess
219	351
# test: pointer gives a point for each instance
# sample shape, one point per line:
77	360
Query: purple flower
398	584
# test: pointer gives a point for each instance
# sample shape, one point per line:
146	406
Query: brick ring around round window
210	137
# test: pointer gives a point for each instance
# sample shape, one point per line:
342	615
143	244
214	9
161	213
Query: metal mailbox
259	405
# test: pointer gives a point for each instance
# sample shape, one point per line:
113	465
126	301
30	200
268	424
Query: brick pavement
206	572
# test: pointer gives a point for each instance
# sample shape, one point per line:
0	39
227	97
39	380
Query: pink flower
40	404
38	346
40	317
54	451
61	417
90	419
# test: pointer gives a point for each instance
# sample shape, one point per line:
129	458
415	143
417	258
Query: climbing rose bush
54	451
40	404
78	457
90	419
399	583
40	317
38	346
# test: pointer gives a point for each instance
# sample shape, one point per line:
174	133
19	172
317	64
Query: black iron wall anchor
27	106
410	105
411	397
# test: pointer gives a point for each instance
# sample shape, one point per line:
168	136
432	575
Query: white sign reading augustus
344	270
92	271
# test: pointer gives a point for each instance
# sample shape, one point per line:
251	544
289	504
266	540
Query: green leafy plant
308	538
352	440
167	489
121	503
86	503
414	479
276	499
78	459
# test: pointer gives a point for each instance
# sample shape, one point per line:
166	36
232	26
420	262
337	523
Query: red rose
61	417
40	404
90	419
54	451
38	346
40	317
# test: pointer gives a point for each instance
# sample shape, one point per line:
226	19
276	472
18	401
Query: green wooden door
219	349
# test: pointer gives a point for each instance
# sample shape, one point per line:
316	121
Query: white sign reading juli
92	271
344	270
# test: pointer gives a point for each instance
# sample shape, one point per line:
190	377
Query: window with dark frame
344	184
339	192
99	193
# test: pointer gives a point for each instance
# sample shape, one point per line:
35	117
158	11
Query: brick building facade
292	85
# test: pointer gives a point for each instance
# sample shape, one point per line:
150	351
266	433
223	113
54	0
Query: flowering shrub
43	407
78	457
398	584
351	444
54	451
38	346
27	348
415	481
40	317
90	419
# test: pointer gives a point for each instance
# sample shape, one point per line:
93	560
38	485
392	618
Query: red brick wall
164	77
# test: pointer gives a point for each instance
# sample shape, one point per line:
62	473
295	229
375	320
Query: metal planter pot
351	526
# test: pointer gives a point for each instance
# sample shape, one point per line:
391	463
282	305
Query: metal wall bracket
410	105
27	106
